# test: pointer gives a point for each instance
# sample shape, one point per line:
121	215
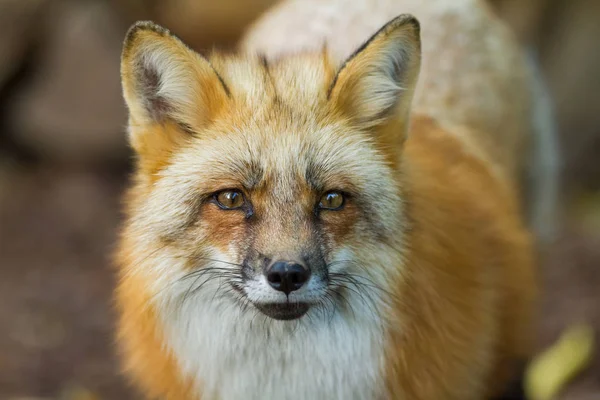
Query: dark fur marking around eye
177	230
312	176
318	237
250	173
255	175
367	213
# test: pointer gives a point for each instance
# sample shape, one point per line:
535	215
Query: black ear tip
138	27
404	20
147	26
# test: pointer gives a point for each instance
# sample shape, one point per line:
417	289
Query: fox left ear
168	89
374	87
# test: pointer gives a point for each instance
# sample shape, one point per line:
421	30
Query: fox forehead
255	154
301	82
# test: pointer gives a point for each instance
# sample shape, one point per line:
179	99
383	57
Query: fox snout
284	287
287	276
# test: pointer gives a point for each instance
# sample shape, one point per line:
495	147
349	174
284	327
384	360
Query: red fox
298	227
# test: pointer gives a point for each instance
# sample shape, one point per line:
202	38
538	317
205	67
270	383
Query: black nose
287	276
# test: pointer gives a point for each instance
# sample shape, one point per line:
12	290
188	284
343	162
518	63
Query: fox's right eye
230	199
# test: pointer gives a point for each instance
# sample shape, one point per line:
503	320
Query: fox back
296	230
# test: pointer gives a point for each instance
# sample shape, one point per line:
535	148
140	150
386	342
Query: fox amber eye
230	199
331	201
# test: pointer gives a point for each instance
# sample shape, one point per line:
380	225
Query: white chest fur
241	354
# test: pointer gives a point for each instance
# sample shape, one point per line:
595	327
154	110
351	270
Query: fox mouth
283	311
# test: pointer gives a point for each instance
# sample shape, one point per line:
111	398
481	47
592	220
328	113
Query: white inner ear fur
165	82
379	90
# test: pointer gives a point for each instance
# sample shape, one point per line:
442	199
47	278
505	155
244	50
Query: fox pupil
332	201
230	199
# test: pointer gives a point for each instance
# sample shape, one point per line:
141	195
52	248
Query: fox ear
166	84
375	85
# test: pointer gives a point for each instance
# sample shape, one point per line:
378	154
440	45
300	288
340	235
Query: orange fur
146	361
469	248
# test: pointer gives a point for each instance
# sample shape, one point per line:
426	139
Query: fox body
296	229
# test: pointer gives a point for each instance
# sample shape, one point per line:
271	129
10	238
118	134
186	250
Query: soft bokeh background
64	163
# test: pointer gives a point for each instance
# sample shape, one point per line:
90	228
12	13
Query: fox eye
332	201
230	199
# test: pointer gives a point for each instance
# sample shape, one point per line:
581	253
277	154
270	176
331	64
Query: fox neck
235	352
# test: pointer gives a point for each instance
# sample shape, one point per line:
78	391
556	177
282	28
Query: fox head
267	185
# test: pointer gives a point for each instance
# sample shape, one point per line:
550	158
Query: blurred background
64	163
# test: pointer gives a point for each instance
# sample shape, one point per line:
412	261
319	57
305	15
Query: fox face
270	178
277	212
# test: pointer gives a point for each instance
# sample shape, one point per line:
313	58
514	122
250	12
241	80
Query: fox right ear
165	83
375	86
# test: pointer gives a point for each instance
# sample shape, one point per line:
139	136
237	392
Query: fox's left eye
230	199
332	201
